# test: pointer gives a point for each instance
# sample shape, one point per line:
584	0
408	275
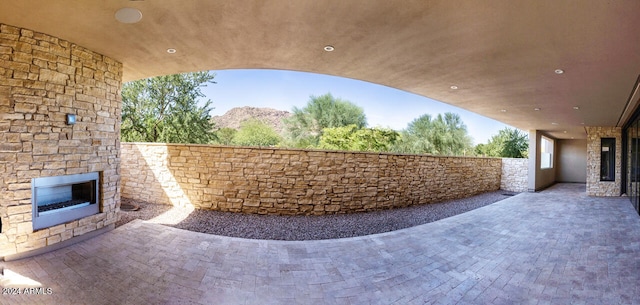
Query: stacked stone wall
42	79
297	182
595	187
515	173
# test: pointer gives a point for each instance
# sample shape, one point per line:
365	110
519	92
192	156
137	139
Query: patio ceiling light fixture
559	71
171	51
128	15
536	109
454	87
329	48
576	108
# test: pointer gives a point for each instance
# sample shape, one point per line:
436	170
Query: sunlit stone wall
300	182
43	78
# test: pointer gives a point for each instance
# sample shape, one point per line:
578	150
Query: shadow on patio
556	246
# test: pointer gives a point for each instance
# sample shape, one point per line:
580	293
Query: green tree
338	138
305	126
415	138
508	143
256	133
482	150
225	135
351	137
444	135
165	109
516	144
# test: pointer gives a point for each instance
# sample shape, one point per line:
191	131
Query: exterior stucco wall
301	182
540	178
572	161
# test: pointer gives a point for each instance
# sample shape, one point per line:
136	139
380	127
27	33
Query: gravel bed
309	227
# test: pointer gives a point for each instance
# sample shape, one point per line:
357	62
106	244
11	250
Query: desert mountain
235	116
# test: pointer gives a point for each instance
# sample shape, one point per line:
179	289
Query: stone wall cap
306	150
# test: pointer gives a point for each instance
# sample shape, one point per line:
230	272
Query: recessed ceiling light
582	123
565	131
536	109
559	71
171	51
554	123
128	15
454	87
576	108
329	48
503	110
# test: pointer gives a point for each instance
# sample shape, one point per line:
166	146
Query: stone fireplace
43	81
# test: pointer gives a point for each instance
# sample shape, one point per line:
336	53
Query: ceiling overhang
501	55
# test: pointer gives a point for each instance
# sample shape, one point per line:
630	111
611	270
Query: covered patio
558	246
565	71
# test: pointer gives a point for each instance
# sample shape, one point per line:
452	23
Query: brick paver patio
554	247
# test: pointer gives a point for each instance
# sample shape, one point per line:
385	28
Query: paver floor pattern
553	247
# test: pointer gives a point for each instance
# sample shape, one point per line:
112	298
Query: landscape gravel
305	227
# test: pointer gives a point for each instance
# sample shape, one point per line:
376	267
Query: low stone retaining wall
297	182
515	174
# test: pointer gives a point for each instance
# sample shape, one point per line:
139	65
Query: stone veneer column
595	187
515	174
43	78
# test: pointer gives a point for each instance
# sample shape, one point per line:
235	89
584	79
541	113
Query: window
608	159
546	153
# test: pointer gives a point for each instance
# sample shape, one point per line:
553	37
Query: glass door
633	163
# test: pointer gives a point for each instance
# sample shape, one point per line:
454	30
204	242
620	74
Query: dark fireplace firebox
61	199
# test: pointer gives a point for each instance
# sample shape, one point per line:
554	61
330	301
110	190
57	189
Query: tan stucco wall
42	78
302	182
572	161
540	178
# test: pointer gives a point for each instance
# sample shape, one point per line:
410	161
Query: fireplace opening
62	199
57	198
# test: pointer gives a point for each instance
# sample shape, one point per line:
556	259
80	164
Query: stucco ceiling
500	54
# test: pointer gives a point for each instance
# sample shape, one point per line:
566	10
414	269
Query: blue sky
383	106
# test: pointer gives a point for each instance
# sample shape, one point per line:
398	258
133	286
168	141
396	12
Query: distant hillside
235	116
